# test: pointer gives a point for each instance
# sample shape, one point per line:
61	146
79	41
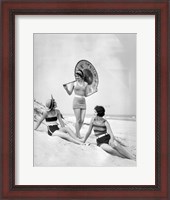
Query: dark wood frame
9	10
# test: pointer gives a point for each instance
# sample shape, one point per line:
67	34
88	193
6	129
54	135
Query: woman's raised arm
69	90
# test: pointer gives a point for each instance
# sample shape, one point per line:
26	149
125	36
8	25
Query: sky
112	55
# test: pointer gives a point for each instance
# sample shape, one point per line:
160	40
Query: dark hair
80	73
100	111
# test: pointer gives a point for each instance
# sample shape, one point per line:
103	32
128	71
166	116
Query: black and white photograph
84	88
85	99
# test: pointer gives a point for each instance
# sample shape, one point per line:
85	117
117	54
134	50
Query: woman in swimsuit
104	134
79	102
51	115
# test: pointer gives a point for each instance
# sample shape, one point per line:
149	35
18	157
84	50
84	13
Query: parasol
90	75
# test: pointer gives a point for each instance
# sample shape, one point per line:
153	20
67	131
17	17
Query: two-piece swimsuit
52	125
79	101
100	131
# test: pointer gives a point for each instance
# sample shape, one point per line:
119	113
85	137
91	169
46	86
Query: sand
52	151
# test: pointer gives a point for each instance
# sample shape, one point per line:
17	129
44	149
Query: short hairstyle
100	111
80	73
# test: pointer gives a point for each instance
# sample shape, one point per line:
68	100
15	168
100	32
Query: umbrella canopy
90	75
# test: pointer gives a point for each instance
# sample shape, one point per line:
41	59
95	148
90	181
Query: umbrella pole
69	82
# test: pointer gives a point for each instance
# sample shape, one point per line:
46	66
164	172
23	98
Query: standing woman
51	115
79	102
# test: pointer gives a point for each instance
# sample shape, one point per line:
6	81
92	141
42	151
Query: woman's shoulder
99	120
104	119
106	122
92	119
45	112
57	111
53	112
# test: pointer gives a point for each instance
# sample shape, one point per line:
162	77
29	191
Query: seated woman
104	134
51	115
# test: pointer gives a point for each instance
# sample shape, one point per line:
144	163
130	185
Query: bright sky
112	55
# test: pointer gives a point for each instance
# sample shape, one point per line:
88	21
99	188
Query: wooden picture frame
12	8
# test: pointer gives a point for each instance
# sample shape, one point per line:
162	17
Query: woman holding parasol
82	88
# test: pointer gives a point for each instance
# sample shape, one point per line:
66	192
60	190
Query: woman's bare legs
82	116
109	149
66	137
69	131
122	150
77	113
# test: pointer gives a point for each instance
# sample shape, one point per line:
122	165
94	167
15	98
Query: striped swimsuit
100	131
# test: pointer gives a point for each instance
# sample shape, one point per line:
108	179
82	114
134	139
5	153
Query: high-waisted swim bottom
105	139
79	103
52	129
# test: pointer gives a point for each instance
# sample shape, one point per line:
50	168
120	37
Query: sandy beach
56	152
